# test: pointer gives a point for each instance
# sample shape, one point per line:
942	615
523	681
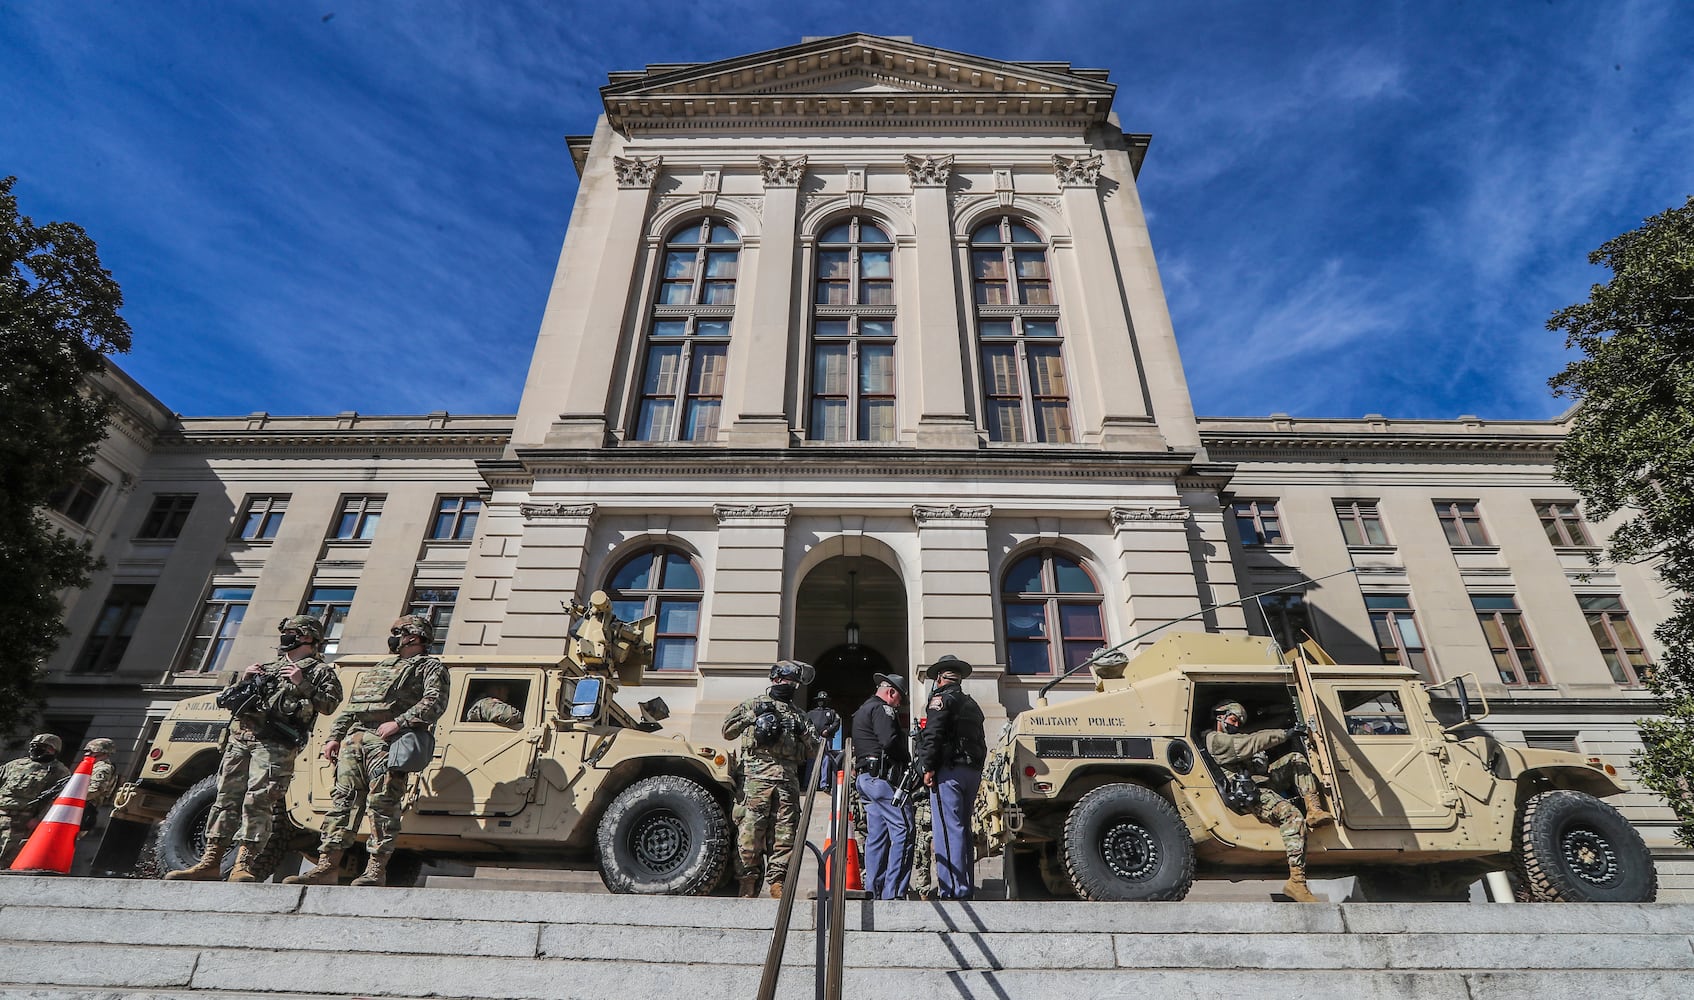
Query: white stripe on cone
67	808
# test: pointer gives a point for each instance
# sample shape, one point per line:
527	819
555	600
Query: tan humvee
577	780
1112	796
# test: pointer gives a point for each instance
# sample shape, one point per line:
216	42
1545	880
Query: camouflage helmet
416	625
303	623
49	740
792	672
100	745
1229	706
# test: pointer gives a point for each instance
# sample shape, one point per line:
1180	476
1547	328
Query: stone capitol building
857	353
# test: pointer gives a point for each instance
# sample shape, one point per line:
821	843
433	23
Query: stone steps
85	938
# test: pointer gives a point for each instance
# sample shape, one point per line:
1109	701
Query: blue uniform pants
888	840
951	802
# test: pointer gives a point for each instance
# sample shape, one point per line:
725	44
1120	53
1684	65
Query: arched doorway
849	591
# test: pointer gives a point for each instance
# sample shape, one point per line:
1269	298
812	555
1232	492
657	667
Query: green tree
58	319
1630	451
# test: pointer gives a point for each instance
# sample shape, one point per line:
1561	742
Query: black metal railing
830	958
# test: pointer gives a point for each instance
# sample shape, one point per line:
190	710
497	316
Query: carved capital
534	510
752	512
951	512
1142	515
929	171
1077	171
636	171
782	171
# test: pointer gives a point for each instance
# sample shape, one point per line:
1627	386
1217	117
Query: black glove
1299	729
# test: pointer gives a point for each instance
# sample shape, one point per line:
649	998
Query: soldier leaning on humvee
407	690
23	783
1276	780
271	720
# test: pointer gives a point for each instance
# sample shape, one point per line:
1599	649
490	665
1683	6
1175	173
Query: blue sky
1357	208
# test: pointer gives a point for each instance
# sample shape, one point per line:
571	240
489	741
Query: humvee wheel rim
1130	851
1589	856
660	842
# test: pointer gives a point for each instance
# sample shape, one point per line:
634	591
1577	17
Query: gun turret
603	644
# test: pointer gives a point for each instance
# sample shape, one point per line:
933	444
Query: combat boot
322	873
376	871
776	888
208	869
1316	816
749	887
243	870
1295	888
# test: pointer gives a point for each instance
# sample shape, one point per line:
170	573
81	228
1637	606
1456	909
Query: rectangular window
1564	526
1360	522
1614	633
1396	631
455	518
1257	522
435	604
77	500
262	516
1373	713
215	632
1287	618
1461	522
359	517
1508	639
330	606
167	515
110	636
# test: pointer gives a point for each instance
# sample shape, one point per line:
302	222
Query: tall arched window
665	582
853	335
1052	612
682	388
1025	395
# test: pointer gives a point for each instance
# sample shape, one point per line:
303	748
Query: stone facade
855	339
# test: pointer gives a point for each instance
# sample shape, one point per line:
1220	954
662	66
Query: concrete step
86	938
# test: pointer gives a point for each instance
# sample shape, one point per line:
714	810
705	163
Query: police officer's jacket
953	731
878	745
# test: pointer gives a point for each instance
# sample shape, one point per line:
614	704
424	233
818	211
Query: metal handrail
791	881
833	961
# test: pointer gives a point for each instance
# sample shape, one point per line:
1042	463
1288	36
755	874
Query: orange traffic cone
855	873
53	844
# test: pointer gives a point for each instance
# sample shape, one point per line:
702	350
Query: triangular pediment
893	75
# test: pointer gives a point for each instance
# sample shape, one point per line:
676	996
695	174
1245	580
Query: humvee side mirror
655	710
1467	714
585	700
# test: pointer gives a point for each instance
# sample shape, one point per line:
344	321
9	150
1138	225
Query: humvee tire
1124	843
182	833
663	835
1574	848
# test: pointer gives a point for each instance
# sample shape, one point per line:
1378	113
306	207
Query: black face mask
1227	726
782	692
41	754
394	639
290	641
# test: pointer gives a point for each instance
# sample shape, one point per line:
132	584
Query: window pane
720	264
709	363
1350	531
1005	420
1081	621
655	422
679	264
877	419
871	233
1046	372
673	654
1491	629
467	526
875	264
1000	370
1053	422
718	293
1493	602
629	611
989	265
876	368
1023	234
831	375
680	574
835	265
1600	602
1024	577
876	293
1027	658
663	366
838	234
679	617
703	420
344	528
1040	328
1071	577
876	328
829	419
995	328
272	522
675	293
1374	532
989	233
1034	293
723	234
670	328
1625	632
833	328
1030	264
834	293
712	328
367	531
1408	632
1451	528
1393	602
1515	629
635	574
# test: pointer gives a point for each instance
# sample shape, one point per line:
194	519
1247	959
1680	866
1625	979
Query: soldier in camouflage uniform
406	690
496	707
776	738
102	781
1276	780
24	783
266	733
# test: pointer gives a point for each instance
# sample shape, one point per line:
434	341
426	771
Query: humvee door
482	767
1387	757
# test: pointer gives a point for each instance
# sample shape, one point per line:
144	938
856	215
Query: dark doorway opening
850	625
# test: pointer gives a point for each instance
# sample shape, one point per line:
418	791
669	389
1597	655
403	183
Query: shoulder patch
890	710
936	702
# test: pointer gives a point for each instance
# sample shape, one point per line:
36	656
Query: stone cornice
469	442
1122	516
926	514
1290	446
532	511
1026	464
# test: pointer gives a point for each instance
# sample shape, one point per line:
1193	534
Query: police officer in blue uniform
880	756
951	756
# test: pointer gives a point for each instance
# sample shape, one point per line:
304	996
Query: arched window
1052	611
853	335
1025	395
665	582
682	387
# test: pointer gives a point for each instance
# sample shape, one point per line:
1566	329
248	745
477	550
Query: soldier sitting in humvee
1277	782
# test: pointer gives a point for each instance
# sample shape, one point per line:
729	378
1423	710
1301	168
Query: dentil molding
636	171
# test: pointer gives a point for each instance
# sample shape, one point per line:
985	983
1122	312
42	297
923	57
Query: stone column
1106	370
1214	566
759	362
957	613
930	333
592	314
1155	565
480	613
747	586
548	571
